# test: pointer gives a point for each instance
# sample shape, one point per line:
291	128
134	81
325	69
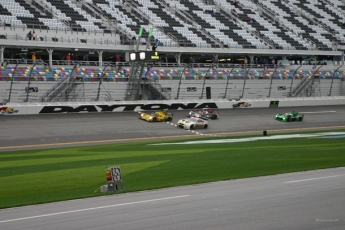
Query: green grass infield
48	175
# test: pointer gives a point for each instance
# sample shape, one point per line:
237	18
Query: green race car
290	116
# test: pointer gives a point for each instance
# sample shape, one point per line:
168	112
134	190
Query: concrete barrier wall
128	106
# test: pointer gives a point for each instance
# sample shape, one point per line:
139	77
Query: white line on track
320	112
316	178
327	220
95	208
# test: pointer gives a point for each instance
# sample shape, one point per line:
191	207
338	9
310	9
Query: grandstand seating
256	24
302	25
257	81
89	74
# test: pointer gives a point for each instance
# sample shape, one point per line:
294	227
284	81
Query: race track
301	201
55	130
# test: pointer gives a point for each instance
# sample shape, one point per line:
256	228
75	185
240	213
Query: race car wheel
289	118
301	119
169	119
205	126
154	119
191	127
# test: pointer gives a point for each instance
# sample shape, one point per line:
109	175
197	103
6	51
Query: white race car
192	123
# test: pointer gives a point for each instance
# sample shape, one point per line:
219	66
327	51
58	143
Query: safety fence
30	84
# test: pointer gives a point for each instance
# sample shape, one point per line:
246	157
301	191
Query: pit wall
130	106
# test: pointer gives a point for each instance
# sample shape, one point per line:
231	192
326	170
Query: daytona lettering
128	107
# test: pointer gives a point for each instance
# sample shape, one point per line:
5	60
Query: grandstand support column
50	52
215	58
315	62
100	58
178	58
251	60
2	48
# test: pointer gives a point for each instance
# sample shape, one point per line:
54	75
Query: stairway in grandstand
55	93
140	87
307	87
74	92
65	90
152	91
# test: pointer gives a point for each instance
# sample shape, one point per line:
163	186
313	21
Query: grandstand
241	49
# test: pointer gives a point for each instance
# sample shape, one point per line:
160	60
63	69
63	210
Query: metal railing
81	39
237	83
53	93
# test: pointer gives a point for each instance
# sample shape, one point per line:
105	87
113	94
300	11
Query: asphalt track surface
60	130
303	201
298	201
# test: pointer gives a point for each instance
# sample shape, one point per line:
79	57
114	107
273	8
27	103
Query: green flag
150	34
140	32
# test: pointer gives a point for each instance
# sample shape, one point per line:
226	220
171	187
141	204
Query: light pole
102	77
227	82
203	86
72	71
179	84
29	82
245	78
12	79
293	76
311	91
274	73
330	89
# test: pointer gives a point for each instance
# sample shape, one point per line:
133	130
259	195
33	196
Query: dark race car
289	116
205	114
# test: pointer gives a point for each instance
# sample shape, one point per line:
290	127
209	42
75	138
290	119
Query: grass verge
40	176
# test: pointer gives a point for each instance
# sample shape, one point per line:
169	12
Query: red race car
205	114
